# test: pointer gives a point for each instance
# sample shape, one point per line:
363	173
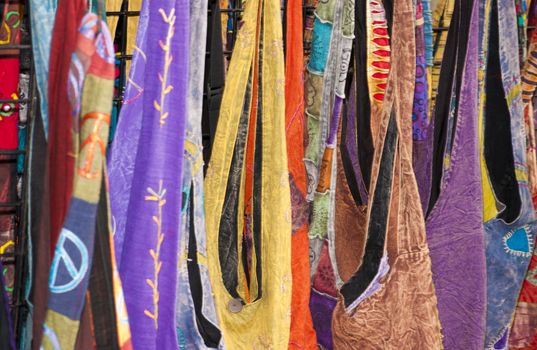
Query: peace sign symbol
62	258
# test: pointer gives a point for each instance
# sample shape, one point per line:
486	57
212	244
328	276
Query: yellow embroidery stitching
6	245
159	198
164	87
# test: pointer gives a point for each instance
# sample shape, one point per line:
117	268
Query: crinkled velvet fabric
396	257
454	226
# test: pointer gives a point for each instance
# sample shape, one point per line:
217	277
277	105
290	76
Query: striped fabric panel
529	76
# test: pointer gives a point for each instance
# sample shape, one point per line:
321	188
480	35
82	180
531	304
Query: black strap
363	105
449	86
498	142
208	331
214	78
378	222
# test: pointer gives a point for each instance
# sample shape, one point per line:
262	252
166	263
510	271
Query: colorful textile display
248	204
360	176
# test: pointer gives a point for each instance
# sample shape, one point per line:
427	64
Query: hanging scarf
42	19
109	322
335	77
90	93
195	313
122	157
395	254
302	334
421	128
327	71
144	168
321	304
146	173
510	235
524	329
61	164
247	190
460	283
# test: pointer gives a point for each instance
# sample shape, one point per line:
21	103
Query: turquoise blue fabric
320	46
428	29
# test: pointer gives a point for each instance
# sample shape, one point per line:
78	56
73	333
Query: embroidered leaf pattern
156	196
168	58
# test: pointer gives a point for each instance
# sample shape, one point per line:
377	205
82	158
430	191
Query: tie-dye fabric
195	312
510	235
524	329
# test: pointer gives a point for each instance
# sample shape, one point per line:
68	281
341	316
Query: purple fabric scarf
145	172
454	226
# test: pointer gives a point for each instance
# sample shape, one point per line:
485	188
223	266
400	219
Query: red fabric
9	114
60	143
